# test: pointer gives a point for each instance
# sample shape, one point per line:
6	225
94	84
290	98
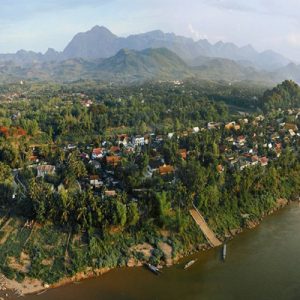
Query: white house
138	141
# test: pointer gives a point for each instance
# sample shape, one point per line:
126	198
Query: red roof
97	151
113	160
114	149
166	169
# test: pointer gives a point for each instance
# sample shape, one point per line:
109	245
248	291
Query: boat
153	269
190	263
224	251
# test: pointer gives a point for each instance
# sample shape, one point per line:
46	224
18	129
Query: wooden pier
208	233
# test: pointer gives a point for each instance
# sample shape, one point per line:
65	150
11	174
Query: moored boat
224	251
189	264
153	269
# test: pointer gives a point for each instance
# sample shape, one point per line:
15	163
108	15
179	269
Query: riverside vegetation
94	176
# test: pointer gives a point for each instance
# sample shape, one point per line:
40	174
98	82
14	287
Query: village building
44	170
110	193
183	153
122	139
166	169
264	161
95	181
113	160
98	153
138	140
290	126
232	126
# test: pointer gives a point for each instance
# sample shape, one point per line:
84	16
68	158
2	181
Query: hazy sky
39	24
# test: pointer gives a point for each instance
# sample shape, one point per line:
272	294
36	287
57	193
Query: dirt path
208	233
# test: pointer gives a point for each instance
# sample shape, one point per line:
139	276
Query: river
263	263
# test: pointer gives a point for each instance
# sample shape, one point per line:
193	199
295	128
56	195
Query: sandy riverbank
34	286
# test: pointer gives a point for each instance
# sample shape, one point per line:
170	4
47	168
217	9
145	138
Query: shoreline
36	287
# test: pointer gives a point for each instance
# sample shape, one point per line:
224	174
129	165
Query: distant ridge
129	66
98	54
100	42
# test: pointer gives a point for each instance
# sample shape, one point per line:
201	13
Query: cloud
294	39
241	5
194	32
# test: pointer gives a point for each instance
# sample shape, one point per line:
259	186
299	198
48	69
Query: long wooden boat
153	269
224	251
189	264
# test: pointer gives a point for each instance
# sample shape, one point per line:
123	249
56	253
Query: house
138	141
147	139
232	125
264	161
87	103
122	139
254	160
114	149
259	118
244	164
170	135
213	125
44	170
229	139
113	160
98	153
166	169
183	153
275	136
196	129
185	133
292	132
110	193
278	146
241	140
220	168
95	181
290	126
34	159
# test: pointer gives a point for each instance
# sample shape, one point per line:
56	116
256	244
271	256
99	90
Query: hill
126	65
100	42
285	95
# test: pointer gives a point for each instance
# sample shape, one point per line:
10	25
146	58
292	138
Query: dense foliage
99	226
284	95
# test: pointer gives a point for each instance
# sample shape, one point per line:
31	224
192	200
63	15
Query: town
121	176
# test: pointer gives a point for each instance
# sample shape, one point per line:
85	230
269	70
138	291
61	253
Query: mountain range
100	54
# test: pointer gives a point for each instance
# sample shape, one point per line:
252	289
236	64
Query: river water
263	263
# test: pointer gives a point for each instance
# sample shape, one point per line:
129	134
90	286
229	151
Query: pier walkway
208	233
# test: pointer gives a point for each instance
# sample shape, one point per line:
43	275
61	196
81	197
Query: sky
40	24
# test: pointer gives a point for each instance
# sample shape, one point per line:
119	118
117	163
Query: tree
132	214
162	208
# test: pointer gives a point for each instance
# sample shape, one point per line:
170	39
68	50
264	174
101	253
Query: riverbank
33	286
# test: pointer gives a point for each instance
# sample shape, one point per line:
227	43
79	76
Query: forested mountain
135	66
285	95
100	55
126	65
99	42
